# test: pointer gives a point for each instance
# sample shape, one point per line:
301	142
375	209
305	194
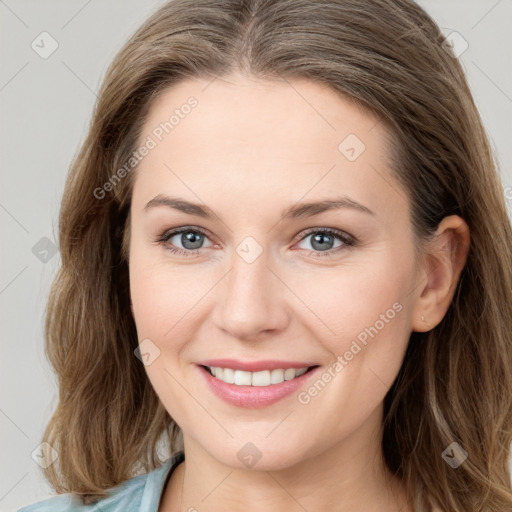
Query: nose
251	300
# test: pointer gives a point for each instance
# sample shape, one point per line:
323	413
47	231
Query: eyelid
301	236
169	233
347	239
342	235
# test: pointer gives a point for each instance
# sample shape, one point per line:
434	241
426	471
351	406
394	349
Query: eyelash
348	241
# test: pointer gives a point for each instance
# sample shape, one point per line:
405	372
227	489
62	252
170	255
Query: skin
248	150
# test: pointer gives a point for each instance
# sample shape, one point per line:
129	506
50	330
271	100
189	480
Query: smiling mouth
260	378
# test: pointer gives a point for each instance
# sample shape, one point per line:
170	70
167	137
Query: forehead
254	111
282	138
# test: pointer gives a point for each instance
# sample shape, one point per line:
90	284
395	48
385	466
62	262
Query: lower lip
254	397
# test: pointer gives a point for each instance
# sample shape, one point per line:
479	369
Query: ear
445	257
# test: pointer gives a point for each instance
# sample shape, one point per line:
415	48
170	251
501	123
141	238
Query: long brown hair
455	384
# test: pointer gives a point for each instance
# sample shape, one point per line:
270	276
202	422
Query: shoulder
139	494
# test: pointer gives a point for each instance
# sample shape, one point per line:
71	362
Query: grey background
45	107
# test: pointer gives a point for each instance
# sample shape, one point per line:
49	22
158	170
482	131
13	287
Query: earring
423	320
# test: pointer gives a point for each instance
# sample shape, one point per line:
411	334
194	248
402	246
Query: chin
263	455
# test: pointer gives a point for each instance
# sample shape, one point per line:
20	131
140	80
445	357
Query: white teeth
242	378
262	378
228	375
289	374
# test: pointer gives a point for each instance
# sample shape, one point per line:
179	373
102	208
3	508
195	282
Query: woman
198	304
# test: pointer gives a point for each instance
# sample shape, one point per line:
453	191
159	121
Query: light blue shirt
139	494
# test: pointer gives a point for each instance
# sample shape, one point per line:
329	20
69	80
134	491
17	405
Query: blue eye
324	238
192	239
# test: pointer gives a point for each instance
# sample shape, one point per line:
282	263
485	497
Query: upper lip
254	366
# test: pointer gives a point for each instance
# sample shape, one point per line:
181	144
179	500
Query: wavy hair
455	383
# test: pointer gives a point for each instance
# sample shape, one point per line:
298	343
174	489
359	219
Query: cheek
362	318
162	304
163	296
343	303
365	325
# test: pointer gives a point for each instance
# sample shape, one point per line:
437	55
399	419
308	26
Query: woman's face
262	280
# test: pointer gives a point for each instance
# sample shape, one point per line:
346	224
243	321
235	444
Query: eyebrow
296	211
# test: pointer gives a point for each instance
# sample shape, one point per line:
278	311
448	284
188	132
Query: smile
255	384
261	378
